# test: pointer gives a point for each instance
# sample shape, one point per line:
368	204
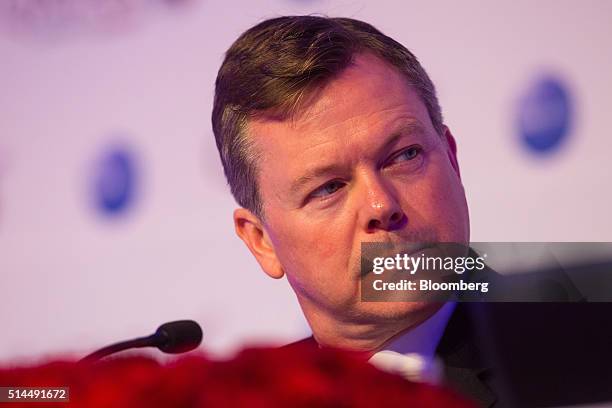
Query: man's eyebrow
407	128
312	174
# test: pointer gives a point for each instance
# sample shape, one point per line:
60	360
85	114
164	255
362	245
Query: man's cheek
330	250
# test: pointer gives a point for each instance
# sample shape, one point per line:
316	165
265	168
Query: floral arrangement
257	377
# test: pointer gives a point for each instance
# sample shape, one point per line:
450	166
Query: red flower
262	377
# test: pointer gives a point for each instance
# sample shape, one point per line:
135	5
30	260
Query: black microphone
173	337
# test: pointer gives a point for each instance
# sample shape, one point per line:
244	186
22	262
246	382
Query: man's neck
361	334
423	339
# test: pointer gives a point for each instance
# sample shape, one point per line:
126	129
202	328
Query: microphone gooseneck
174	337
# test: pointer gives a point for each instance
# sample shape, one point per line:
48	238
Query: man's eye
406	155
328	189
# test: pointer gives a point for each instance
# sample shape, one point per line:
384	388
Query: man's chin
411	312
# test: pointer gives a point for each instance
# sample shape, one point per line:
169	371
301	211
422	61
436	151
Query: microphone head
178	337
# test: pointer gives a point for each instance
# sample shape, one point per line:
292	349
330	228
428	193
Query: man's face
361	163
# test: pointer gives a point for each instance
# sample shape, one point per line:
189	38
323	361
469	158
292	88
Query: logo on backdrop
115	180
545	115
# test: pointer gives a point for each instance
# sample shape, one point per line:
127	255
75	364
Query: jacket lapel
463	367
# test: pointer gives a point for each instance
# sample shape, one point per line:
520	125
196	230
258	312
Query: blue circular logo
545	115
115	181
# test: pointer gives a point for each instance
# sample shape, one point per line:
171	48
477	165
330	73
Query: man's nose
381	209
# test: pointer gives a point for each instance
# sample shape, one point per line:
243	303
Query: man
331	135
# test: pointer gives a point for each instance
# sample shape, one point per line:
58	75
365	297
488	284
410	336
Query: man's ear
452	150
251	231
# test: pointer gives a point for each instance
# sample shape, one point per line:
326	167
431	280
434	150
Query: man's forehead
336	139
